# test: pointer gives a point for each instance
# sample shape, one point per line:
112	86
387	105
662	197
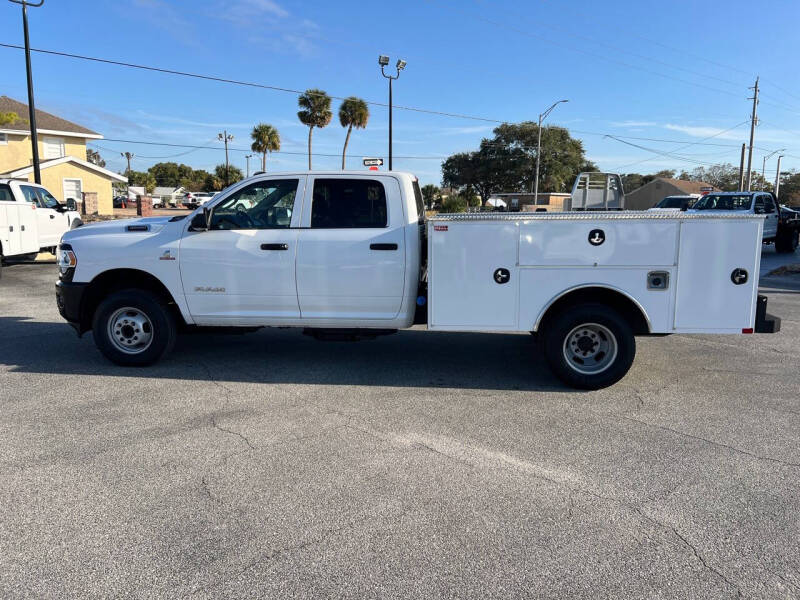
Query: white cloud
701	131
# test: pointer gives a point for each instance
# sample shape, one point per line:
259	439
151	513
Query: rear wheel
133	328
589	346
786	241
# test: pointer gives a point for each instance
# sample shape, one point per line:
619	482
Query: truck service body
352	252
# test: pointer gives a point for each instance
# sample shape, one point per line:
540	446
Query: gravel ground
419	465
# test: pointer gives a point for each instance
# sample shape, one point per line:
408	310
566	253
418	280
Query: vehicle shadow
412	358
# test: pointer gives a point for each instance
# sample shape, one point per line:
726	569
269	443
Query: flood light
383	60
401	64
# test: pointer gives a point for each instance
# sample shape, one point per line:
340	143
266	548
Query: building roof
45	122
687	187
46	164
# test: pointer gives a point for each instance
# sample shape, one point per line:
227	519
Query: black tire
786	241
159	324
608	335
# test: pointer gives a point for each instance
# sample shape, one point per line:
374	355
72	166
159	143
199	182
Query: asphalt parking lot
418	465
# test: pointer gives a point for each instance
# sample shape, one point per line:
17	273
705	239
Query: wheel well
119	279
626	307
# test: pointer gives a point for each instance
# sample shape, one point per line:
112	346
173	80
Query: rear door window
5	194
31	194
348	204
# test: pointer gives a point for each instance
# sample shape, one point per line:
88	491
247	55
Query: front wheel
589	346
786	241
133	328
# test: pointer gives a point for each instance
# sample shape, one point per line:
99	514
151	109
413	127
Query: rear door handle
52	216
274	246
383	246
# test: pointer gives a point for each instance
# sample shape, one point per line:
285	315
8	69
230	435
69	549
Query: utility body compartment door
718	270
351	255
474	280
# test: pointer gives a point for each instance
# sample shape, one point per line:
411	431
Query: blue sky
671	71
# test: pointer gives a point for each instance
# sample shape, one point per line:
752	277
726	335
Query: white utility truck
351	254
31	219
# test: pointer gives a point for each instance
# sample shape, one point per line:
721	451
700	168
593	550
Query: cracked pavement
420	465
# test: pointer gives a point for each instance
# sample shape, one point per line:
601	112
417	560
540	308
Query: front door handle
383	246
52	216
274	246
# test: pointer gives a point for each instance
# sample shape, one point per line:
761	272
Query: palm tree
265	139
352	113
316	112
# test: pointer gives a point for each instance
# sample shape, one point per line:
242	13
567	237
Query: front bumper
765	322
69	297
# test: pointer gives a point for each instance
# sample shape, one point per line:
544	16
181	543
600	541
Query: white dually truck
351	254
31	219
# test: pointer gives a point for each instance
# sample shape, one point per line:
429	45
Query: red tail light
747	330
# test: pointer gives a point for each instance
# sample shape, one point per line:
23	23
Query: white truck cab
351	253
31	219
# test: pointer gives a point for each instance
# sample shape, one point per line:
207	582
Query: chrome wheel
590	348
130	330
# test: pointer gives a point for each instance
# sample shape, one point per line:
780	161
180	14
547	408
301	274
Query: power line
239	82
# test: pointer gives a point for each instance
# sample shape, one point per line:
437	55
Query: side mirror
201	221
207	217
71	204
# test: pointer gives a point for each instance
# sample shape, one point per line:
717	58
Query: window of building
348	204
53	147
3	139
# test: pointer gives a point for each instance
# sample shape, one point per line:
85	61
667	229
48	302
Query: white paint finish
339	276
540	287
627	243
252	284
462	291
709	251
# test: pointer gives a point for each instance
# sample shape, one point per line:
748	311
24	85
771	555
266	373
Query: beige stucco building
652	193
62	154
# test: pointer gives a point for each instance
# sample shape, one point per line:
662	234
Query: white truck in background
351	254
31	219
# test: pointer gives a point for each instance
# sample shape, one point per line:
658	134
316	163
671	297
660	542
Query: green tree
353	112
315	111
789	193
431	195
142	179
7	118
265	139
170	174
507	161
216	180
93	156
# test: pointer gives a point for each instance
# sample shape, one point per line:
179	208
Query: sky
669	81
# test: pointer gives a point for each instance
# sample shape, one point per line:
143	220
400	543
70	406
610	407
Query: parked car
192	200
778	229
351	255
31	219
676	202
120	202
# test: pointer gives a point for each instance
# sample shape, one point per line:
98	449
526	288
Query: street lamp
383	61
224	137
247	157
542	117
37	175
778	177
764	165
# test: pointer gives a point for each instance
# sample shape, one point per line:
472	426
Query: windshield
724	202
673	202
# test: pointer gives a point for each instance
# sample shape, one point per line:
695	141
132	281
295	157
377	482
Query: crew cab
31	219
780	228
351	254
683	202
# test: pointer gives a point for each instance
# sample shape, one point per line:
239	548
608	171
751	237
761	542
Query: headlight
66	259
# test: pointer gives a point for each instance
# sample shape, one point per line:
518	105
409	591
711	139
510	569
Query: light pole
224	137
778	177
37	175
764	165
542	117
247	157
128	156
383	61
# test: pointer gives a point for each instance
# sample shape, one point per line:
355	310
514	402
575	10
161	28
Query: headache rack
597	191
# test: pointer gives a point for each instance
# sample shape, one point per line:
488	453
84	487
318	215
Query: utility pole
128	156
741	170
753	121
542	117
37	175
224	137
778	177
